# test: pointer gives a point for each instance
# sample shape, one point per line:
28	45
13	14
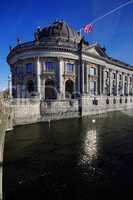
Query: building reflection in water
128	112
88	152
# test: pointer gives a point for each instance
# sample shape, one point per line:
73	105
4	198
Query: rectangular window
92	71
49	67
29	68
69	68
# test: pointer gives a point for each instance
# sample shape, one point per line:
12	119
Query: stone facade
59	65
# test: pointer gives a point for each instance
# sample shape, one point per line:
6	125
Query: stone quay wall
27	111
103	104
5	125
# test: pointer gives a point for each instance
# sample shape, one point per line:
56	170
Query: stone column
83	65
10	85
132	84
100	80
61	86
128	83
123	82
104	80
78	74
117	83
43	88
38	77
110	81
87	80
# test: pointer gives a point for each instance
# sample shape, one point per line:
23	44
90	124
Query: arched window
69	88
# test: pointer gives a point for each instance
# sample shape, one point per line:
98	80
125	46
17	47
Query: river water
71	159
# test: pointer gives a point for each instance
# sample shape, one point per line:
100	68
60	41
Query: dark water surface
73	159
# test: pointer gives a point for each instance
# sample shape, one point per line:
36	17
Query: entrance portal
50	90
30	86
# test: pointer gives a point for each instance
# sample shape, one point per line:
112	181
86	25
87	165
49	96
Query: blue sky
21	18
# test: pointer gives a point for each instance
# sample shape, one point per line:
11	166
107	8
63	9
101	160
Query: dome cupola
58	29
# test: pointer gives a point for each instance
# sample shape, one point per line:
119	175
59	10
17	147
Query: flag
88	28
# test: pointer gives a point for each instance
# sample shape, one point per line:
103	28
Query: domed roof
59	29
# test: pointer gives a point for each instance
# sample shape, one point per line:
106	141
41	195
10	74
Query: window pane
92	71
29	67
49	66
69	67
92	87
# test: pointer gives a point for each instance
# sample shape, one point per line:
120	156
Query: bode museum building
60	65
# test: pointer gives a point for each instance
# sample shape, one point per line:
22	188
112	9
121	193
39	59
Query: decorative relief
48	76
92	78
69	76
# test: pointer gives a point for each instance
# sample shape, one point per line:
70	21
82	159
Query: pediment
96	51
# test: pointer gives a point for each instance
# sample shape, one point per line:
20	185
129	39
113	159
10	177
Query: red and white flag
88	28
